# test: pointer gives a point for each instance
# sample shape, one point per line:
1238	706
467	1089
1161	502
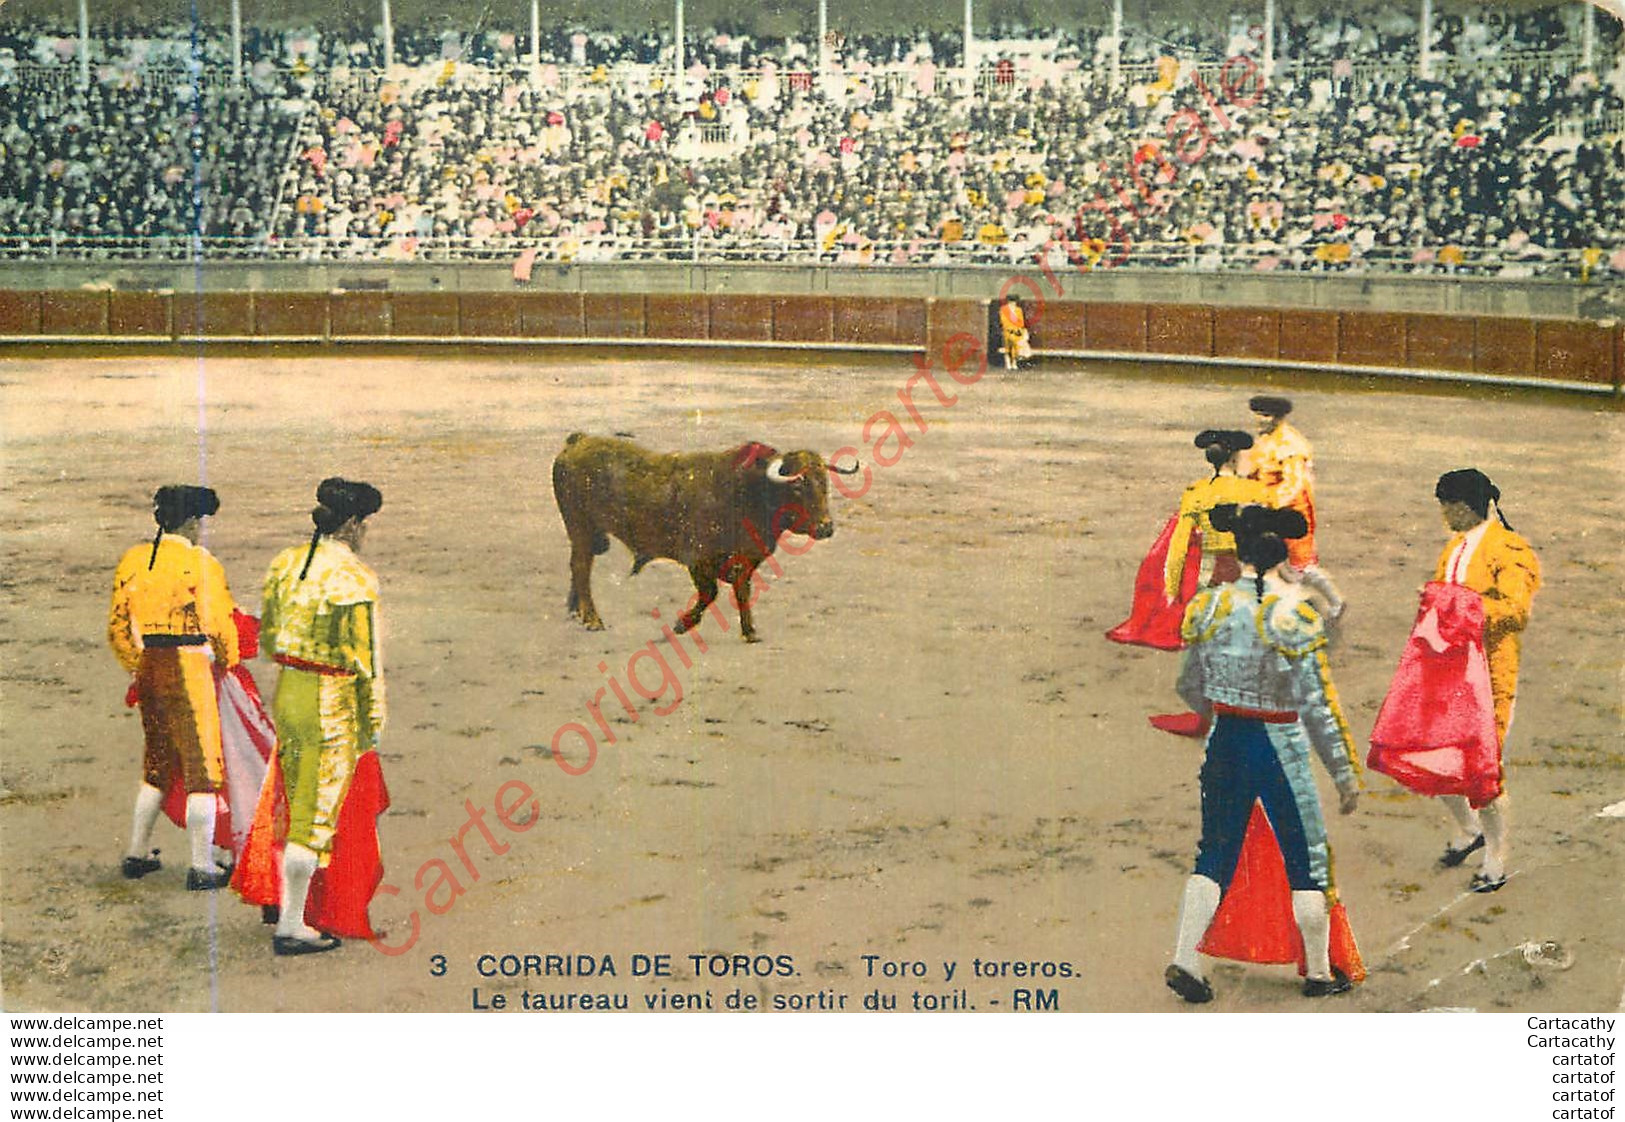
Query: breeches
1252	761
318	725
180	716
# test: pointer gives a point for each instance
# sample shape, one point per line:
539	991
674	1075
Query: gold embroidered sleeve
1517	577
214	611
120	624
1173	566
353	637
363	624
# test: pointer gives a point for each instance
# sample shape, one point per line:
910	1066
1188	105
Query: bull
718	514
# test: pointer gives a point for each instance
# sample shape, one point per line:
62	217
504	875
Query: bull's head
801	488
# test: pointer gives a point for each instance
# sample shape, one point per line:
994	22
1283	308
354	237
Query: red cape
1435	733
1254	923
1154	620
340	893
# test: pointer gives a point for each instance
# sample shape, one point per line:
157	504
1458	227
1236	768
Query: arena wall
1563	351
1387	292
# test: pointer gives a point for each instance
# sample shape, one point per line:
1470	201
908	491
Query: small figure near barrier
1017	345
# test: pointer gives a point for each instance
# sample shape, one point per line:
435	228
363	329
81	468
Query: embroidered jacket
1268	656
1284	462
183	593
329	618
1503	570
1195	507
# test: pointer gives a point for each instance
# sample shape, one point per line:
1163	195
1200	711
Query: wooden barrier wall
1577	351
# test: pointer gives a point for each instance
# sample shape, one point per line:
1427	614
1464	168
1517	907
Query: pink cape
1255	922
1153	619
1435	733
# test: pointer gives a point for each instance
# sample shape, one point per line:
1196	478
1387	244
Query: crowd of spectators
879	159
142	162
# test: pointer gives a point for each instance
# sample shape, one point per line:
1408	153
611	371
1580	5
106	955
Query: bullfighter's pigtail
1495	497
315	537
326	520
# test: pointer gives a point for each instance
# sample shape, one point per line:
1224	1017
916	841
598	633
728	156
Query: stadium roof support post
1269	40
970	40
389	34
823	36
1588	34
677	64
84	44
236	42
536	34
1117	43
1424	50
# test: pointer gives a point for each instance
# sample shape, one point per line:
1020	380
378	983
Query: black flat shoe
1453	856
1327	987
1187	985
293	945
134	868
199	881
1483	883
270	913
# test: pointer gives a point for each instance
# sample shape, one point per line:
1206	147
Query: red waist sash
1268	716
293	663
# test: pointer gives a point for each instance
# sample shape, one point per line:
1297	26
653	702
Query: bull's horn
775	471
853	470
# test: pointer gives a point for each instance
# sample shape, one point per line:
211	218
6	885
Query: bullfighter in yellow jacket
1488	557
1284	462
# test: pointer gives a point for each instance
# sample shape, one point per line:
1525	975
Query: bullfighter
170	624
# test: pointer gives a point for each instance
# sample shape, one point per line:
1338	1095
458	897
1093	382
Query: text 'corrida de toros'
640	965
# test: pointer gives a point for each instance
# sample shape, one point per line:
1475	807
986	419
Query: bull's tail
600	543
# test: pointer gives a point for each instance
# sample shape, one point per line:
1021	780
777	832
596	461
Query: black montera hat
1231	440
338	501
1257	521
1473	487
1467	485
176	503
1269	405
348	499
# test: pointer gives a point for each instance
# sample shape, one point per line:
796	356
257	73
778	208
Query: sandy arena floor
934	755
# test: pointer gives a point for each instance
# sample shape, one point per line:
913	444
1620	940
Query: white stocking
298	866
1496	842
1315	925
148	802
1196	911
1466	819
200	831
